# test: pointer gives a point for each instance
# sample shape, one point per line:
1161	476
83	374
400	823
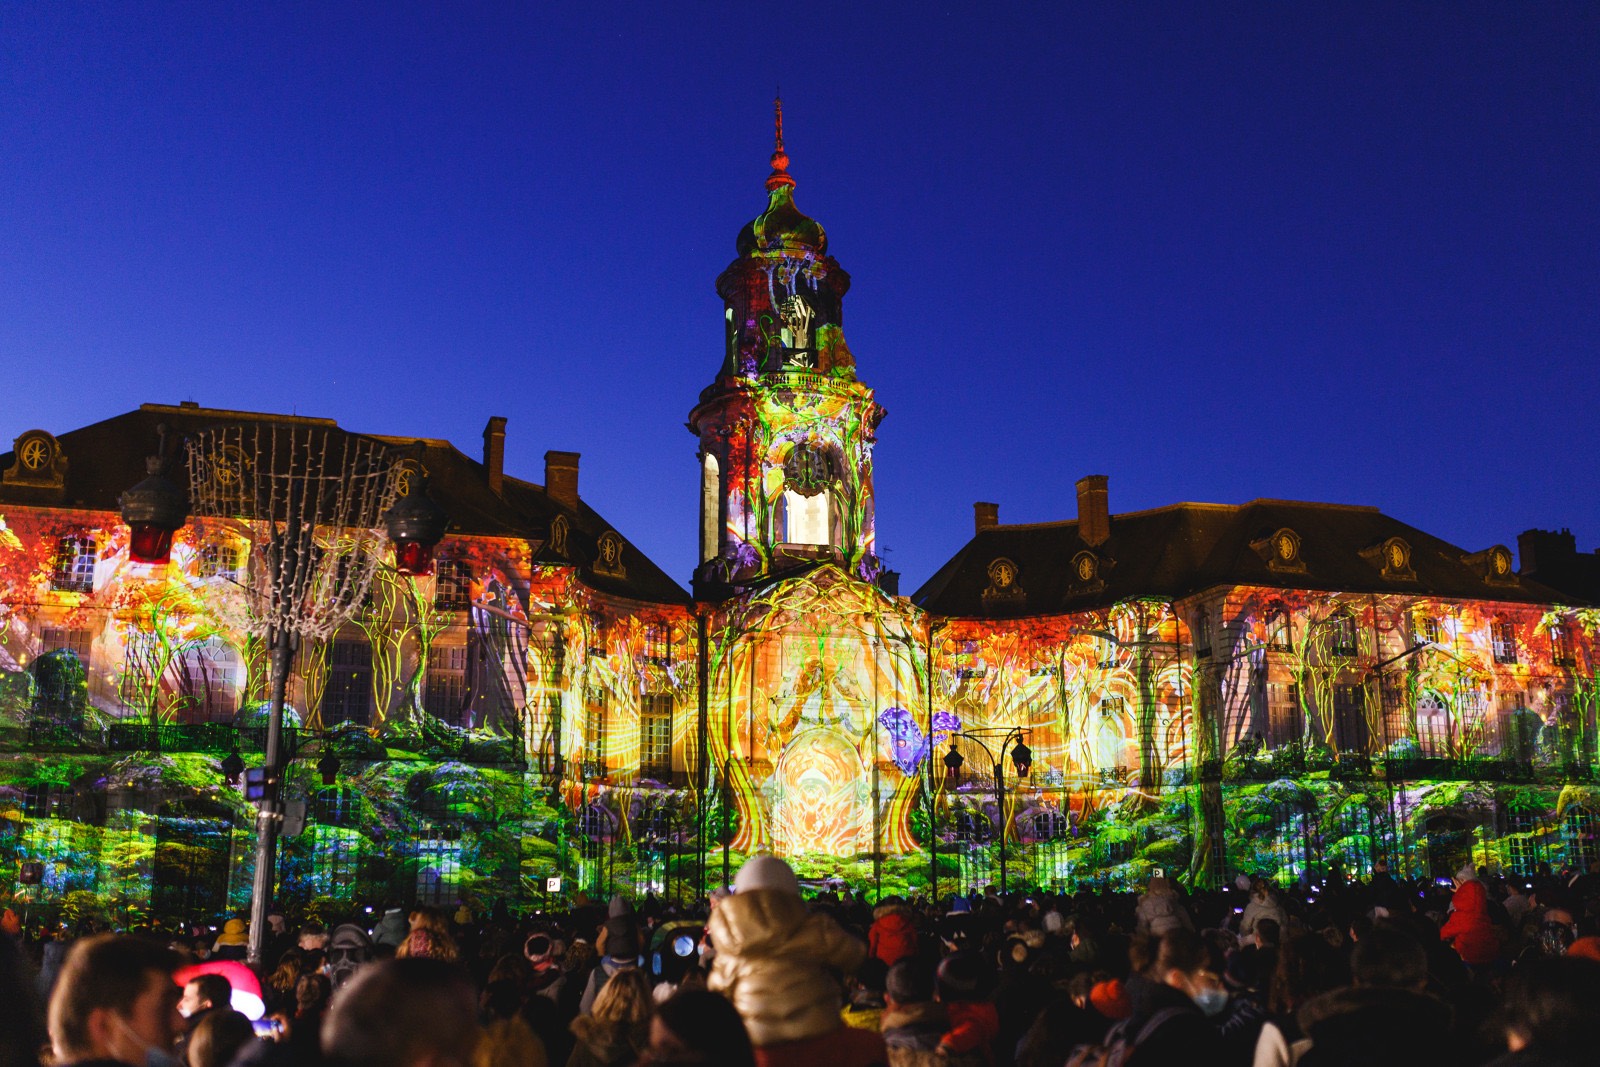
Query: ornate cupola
786	430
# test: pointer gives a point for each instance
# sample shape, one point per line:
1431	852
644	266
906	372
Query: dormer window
74	565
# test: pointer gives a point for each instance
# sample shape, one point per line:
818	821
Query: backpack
1118	1047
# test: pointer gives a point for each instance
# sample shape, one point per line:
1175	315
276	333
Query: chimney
494	452
561	478
1546	548
985	516
1094	518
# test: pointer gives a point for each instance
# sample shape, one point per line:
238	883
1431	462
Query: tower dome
782	226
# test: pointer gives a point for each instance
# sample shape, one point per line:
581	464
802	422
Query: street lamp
1021	759
154	509
415	524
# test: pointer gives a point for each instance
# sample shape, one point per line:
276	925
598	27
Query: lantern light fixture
415	523
154	509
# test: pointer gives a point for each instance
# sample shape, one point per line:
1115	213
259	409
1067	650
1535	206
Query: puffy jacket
1161	913
773	958
1258	909
974	1024
893	936
1469	928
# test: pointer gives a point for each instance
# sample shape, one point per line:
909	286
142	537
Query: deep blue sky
1334	252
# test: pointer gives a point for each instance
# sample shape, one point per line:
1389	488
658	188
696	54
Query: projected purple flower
911	745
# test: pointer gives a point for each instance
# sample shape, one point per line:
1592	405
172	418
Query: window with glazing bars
78	641
219	560
446	695
348	697
1342	635
74	565
452	586
655	735
1503	637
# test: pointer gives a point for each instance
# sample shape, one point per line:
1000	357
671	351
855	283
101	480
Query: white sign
552	885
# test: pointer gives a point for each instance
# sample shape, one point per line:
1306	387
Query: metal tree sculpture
308	499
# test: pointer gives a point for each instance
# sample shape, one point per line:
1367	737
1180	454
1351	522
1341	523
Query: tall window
1342	635
594	734
1433	726
1561	654
655	736
438	871
452	588
207	681
1579	829
710	508
349	694
1283	713
74	565
78	641
219	559
807	520
1350	718
1202	633
1503	637
658	644
336	859
446	695
1429	630
1526	841
1280	638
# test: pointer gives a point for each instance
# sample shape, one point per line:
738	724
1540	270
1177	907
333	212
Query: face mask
153	1056
1210	1001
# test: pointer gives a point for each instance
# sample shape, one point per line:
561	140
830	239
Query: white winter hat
766	872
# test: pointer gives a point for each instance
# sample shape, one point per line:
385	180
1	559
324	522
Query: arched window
1433	726
807	520
710	507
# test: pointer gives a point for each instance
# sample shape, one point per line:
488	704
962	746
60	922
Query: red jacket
974	1024
892	937
1469	929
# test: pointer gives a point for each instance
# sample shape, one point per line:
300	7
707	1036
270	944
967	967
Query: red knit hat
1587	948
1111	1000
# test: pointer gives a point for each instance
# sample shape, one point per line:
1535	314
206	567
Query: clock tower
786	430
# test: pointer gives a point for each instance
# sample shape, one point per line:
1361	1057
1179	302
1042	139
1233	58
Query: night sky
1336	252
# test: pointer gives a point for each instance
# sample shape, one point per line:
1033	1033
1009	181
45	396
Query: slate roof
1182	549
108	457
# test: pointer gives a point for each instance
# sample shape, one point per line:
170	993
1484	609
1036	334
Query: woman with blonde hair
618	1032
430	937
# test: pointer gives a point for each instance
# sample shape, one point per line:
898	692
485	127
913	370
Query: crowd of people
1472	970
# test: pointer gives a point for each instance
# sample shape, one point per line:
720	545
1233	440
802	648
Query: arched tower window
807	520
710	507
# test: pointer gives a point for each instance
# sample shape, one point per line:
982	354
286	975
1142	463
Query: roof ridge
251	416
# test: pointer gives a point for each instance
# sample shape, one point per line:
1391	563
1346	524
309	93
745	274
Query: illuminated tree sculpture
308	500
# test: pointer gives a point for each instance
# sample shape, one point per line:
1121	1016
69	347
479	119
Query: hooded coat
893	936
773	959
1469	927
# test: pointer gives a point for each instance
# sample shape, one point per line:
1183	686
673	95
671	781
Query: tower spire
780	158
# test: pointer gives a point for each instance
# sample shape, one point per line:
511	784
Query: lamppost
1021	758
286	487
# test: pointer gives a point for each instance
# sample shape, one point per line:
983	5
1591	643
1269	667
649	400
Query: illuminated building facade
1274	687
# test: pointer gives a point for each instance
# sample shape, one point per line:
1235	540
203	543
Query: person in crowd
617	1031
1160	911
1549	1014
1469	929
391	929
115	1001
278	990
508	1040
1175	992
313	937
1263	904
403	1013
23	1032
893	935
202	995
1080	1017
618	947
548	977
312	992
913	1021
1385	1017
349	949
232	942
775	961
217	1039
864	1010
1307	966
974	1021
696	1026
429	938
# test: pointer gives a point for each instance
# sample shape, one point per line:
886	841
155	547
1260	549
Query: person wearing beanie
619	945
974	1022
776	962
391	929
